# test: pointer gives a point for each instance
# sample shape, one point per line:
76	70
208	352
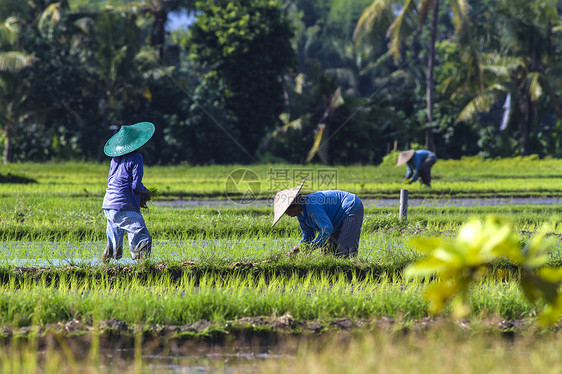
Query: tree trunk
8	144
529	105
430	84
159	28
549	39
526	130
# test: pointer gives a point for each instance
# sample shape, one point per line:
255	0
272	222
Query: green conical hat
128	139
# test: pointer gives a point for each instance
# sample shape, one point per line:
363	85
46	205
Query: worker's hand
145	197
148	194
293	251
408	180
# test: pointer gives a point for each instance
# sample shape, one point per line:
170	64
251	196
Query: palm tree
13	96
526	69
158	10
112	41
403	25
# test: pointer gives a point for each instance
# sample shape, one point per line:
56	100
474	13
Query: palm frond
370	16
131	8
292	125
149	65
460	13
15	61
51	16
395	29
481	103
147	56
317	142
489	60
535	88
83	24
497	70
158	73
9	30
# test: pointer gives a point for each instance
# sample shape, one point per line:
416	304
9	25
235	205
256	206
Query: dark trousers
425	170
345	242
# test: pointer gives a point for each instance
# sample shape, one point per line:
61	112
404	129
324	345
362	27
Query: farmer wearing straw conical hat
330	220
419	164
126	194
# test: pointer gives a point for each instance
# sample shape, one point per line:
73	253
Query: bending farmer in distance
419	165
330	220
122	201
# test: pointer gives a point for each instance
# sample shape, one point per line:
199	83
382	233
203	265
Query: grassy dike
468	177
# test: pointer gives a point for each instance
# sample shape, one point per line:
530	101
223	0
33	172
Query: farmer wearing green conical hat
419	164
126	194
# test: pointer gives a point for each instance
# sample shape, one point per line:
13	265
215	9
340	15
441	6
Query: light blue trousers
121	221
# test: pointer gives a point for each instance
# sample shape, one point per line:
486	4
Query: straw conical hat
405	156
128	139
283	199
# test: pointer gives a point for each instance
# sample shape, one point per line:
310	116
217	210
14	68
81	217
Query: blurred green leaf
537	288
552	312
438	294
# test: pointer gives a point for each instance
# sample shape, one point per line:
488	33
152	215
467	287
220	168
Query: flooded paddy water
59	254
371	202
201	359
375	246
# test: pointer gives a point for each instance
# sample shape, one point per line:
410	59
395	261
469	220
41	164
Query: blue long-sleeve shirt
413	166
323	213
124	183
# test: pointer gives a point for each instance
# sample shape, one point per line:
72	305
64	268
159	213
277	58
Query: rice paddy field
219	293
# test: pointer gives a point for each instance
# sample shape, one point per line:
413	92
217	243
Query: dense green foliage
262	80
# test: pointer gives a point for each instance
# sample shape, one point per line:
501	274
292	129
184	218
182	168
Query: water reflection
207	360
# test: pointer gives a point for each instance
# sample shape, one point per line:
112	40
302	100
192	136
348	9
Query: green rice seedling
159	299
491	299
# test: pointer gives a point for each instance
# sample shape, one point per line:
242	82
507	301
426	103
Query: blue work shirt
413	166
124	183
323	213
